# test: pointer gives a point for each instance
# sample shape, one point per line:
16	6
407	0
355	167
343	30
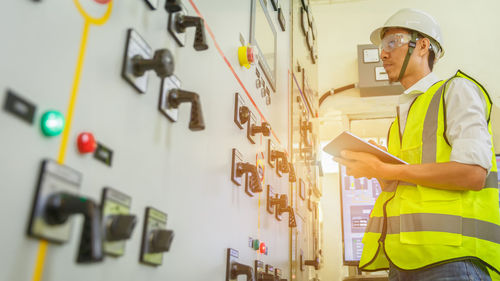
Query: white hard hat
416	20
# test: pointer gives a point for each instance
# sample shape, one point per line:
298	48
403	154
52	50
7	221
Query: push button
86	143
262	248
246	56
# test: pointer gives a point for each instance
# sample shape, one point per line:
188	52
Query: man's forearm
449	175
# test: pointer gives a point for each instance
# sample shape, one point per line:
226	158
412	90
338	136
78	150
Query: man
438	217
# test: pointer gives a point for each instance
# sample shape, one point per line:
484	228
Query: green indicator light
52	123
256	244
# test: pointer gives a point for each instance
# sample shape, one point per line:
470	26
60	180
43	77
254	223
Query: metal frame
271	77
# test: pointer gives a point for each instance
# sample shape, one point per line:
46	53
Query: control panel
153	140
304	167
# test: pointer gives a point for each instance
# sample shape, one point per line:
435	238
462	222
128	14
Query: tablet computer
348	141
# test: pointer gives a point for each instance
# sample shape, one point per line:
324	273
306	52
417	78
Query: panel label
19	107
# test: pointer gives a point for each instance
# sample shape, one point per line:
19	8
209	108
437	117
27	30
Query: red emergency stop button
86	143
262	248
250	55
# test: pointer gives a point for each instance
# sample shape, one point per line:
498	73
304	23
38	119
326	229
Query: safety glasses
393	41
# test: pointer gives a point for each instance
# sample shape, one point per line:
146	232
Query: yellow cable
40	260
89	19
43	245
74	93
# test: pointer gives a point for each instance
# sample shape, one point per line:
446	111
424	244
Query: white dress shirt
466	118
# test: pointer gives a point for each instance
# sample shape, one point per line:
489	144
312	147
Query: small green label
157	215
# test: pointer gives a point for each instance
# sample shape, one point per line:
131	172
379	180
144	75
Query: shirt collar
419	88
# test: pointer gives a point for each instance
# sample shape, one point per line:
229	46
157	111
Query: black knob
161	240
162	63
241	269
178	96
182	22
264	128
244	114
120	227
62	205
173	6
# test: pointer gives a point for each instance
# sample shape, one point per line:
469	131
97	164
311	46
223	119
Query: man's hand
361	164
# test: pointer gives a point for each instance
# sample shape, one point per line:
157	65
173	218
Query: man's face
393	59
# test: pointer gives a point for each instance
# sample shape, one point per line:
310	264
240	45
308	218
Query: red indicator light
86	143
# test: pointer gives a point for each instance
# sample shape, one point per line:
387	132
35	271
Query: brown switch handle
183	22
178	96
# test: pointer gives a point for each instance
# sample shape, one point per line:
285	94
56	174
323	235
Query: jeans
465	270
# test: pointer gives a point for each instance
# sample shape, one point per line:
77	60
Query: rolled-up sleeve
467	127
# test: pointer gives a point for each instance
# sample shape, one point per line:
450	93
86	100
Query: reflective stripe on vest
437	222
429	137
429	134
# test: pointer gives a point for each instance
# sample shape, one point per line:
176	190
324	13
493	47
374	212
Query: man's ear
424	45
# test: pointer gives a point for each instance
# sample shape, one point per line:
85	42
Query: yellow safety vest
415	226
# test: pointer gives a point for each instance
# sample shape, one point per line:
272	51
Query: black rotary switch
238	269
160	240
178	96
264	128
314	262
162	63
120	227
60	206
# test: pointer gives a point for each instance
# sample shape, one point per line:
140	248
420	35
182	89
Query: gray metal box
372	78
